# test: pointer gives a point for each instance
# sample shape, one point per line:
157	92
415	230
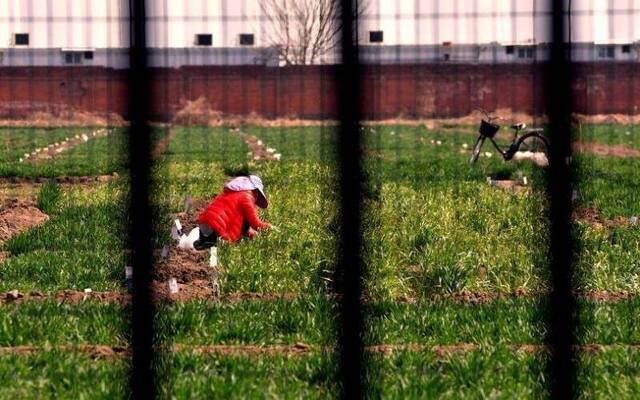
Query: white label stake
178	225
128	272
213	258
173	286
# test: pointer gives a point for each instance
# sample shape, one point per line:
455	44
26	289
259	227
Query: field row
496	372
434	229
311	321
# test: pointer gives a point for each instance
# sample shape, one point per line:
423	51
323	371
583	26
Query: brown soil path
163	144
258	150
16	182
201	290
299	349
55	149
591	216
598	149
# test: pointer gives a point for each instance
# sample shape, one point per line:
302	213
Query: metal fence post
142	378
561	324
350	265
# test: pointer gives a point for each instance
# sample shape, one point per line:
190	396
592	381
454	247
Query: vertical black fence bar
140	228
560	368
350	265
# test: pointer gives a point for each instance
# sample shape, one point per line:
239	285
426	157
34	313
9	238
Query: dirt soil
18	215
297	349
294	349
33	114
257	148
65	296
91	350
55	149
199	112
591	216
607	119
197	290
598	149
163	144
62	180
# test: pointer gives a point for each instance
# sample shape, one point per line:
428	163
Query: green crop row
494	373
100	155
310	320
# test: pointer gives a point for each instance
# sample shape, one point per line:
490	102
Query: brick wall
389	91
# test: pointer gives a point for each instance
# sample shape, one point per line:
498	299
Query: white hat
249	182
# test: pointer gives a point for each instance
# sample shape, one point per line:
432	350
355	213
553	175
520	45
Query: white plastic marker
88	290
178	226
165	252
173	286
633	220
213	257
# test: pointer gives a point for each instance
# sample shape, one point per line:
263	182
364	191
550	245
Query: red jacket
228	212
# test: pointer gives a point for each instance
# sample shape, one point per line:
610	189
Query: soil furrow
104	351
200	290
258	150
13	181
605	150
55	149
163	144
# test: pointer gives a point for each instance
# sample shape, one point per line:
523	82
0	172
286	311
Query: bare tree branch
302	31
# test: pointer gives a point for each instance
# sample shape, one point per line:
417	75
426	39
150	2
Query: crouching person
233	214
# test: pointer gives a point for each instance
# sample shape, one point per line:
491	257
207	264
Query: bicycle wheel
534	147
476	149
534	143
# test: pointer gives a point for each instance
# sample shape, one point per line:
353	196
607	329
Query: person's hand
251	233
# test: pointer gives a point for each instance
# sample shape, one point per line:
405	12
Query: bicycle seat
519	127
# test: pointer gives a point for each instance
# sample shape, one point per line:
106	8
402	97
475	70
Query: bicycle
530	141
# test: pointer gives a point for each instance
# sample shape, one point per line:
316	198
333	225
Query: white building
95	32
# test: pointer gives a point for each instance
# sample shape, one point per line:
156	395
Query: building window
72	57
247	39
525	52
607	52
22	39
447	57
529	52
88	55
626	48
376	36
204	39
510	49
